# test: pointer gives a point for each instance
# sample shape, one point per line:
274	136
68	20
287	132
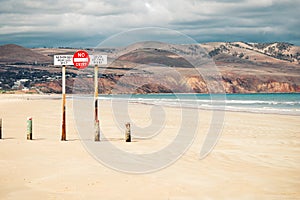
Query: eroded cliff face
238	86
245	85
278	87
192	84
196	84
254	84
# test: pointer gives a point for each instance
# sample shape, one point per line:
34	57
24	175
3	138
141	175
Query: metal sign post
63	133
63	60
96	91
97	126
97	60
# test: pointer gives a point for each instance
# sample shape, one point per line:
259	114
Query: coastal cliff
241	68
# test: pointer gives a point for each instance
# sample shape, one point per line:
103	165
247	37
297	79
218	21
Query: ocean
277	103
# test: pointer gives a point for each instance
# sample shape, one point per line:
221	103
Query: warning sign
98	59
81	59
63	59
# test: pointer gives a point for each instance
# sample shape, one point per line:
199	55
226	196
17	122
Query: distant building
25	89
19	84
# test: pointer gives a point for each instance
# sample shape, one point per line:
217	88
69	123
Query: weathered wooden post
29	128
97	131
97	127
128	132
63	134
96	92
0	128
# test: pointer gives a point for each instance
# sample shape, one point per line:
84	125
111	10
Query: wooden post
97	127
0	128
29	128
63	134
96	92
97	131
128	133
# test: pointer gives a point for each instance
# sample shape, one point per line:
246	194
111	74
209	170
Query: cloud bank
79	23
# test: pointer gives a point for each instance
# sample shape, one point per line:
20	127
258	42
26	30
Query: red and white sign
81	59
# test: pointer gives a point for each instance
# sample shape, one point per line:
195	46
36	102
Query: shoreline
70	97
235	111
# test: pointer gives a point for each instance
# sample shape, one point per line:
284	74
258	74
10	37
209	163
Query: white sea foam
264	103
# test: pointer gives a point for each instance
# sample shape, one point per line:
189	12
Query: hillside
257	67
264	52
244	68
12	54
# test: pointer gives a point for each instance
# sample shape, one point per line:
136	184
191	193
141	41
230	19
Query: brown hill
11	54
147	68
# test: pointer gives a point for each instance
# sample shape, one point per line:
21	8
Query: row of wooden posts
96	118
97	132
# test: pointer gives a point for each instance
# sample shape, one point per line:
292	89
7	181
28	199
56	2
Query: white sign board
63	59
68	60
98	59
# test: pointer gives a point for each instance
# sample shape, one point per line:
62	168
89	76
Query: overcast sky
82	23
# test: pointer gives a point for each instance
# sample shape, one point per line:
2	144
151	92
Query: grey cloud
78	22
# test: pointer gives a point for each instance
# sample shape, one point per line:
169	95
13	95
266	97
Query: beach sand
256	157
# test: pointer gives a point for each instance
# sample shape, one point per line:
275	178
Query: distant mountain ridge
12	53
244	68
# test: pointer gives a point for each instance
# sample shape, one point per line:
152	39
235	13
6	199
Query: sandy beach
256	157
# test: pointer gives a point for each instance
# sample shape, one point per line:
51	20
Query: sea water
279	103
